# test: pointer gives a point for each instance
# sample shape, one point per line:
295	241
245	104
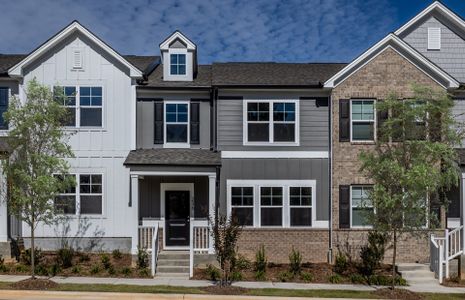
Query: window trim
178	64
351	206
285	184
175	144
374	121
271	122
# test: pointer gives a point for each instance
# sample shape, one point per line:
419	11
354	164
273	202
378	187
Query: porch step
172	269
417	273
172	275
173	255
173	264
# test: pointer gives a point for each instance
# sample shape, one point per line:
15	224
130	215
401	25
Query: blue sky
224	30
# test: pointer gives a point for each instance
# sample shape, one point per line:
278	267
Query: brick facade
388	72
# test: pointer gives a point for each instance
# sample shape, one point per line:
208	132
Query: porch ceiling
184	157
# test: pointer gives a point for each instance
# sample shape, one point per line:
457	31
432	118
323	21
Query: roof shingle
185	157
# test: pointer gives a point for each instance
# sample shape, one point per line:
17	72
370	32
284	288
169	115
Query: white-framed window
86	198
271	122
363	120
361	206
83	103
273	203
434	38
177	124
178	64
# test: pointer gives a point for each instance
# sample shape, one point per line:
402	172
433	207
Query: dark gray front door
177	206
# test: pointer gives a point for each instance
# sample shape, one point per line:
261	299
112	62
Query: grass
161	289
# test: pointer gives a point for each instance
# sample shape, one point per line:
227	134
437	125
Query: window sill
274	144
85	129
362	142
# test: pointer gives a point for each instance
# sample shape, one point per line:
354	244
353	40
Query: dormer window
178	64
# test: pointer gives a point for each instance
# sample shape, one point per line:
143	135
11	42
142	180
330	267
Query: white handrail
191	248
154	250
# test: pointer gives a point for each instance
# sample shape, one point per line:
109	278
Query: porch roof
184	157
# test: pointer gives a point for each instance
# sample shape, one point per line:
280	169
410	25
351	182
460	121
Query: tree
37	168
412	165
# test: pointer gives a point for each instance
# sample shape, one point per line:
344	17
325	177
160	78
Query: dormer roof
177	35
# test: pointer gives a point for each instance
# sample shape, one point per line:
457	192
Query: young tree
413	163
37	167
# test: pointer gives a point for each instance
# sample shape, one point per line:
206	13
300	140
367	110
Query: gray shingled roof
186	157
273	74
202	80
9	60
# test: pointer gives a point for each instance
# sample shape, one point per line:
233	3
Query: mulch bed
397	294
34	284
454	282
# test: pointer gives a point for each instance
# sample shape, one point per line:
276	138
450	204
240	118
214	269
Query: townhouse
162	143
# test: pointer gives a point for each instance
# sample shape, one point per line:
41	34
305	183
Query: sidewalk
421	288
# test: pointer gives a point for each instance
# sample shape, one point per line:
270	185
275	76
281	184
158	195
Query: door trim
175	187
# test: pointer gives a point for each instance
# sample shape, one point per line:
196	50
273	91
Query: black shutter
4	99
344	120
344	206
158	123
195	123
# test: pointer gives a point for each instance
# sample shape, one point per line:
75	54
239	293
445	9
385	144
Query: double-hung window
300	203
362	120
271	206
242	205
84	105
361	205
271	122
178	64
177	123
65	202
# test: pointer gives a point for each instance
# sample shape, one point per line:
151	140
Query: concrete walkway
416	287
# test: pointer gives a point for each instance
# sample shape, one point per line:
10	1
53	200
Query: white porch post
135	212
211	207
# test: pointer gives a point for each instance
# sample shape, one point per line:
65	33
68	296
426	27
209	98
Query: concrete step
173	262
166	275
173	269
417	274
412	267
172	255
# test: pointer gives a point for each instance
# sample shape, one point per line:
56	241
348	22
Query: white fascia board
17	70
436	5
349	69
177	35
274	154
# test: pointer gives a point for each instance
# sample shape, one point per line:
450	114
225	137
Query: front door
177	205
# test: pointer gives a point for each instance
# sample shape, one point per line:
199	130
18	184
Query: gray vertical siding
459	113
451	57
149	194
314	123
280	169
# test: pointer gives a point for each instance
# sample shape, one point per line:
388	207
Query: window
361	205
90	99
65	202
177	122
90	189
271	203
242	205
434	38
88	111
178	64
273	121
300	203
363	120
418	129
4	99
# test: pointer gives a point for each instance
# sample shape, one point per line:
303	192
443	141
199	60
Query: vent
434	38
77	59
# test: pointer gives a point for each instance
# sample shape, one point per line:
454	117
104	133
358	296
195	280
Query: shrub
260	260
335	278
83	257
260	275
357	278
236	276
306	277
341	265
142	259
212	272
385	280
54	269
95	270
76	270
144	272
243	263
65	257
285	276
41	270
117	254
21	268
105	260
126	271
295	262
111	270
373	253
2	261
4	268
26	256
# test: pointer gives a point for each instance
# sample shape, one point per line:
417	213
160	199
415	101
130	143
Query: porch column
3	209
135	212
211	207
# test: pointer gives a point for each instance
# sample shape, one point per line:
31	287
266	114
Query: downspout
330	135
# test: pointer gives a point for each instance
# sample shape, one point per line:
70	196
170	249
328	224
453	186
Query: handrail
155	249
191	248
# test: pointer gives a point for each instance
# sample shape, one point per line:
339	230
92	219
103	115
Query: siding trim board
274	154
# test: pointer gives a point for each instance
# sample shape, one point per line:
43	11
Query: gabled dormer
179	57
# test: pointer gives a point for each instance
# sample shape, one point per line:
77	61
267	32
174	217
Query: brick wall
386	73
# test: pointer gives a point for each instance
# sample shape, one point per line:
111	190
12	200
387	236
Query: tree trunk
394	261
33	275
